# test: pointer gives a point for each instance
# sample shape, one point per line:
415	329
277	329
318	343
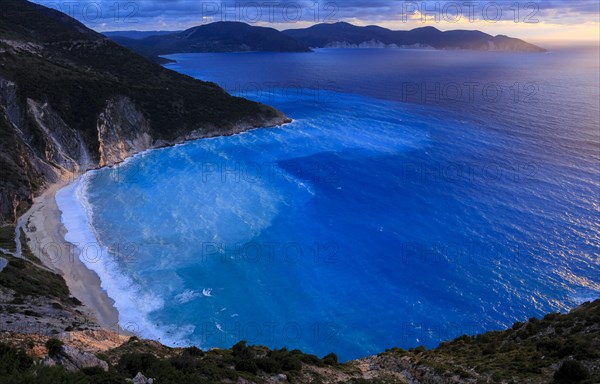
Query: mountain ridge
335	34
217	37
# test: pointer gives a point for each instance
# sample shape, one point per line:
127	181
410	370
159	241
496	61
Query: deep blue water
384	215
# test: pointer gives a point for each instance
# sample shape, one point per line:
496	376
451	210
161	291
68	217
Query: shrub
330	359
420	349
291	363
268	365
311	359
92	371
193	351
132	363
246	366
185	362
13	360
30	344
242	351
489	349
54	346
517	325
571	372
549	345
466	339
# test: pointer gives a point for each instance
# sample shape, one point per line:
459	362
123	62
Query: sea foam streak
132	302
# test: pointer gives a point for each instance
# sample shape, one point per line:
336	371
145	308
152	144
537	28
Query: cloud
181	14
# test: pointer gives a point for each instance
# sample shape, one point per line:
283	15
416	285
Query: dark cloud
175	14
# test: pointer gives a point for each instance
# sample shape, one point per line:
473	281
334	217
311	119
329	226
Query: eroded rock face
74	360
122	131
39	148
62	146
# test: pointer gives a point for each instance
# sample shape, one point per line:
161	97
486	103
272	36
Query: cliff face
122	130
71	100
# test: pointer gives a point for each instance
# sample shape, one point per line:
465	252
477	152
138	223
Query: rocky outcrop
141	379
53	151
63	147
74	360
122	130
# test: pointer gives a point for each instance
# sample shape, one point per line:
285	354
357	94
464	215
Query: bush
92	371
550	345
330	359
571	372
54	346
517	325
246	366
311	359
420	349
185	362
242	351
268	365
132	363
291	363
13	360
193	351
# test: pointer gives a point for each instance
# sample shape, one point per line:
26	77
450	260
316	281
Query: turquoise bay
367	223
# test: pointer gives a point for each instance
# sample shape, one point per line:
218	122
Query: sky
535	21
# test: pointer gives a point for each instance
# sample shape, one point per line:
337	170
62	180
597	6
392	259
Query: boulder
74	360
141	379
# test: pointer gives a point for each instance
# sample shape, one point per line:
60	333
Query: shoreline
45	235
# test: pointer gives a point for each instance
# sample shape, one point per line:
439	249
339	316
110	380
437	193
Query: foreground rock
74	360
141	379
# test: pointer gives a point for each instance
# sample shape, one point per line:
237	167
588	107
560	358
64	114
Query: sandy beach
46	238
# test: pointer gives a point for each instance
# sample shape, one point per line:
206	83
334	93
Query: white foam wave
133	303
187	296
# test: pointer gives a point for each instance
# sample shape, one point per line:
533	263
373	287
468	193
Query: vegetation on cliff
560	348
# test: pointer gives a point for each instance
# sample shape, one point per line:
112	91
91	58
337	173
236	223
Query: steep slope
346	35
559	349
216	37
71	99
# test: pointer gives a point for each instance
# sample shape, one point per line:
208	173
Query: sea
418	195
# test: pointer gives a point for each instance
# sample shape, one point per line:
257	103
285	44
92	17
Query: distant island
215	37
346	35
240	37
